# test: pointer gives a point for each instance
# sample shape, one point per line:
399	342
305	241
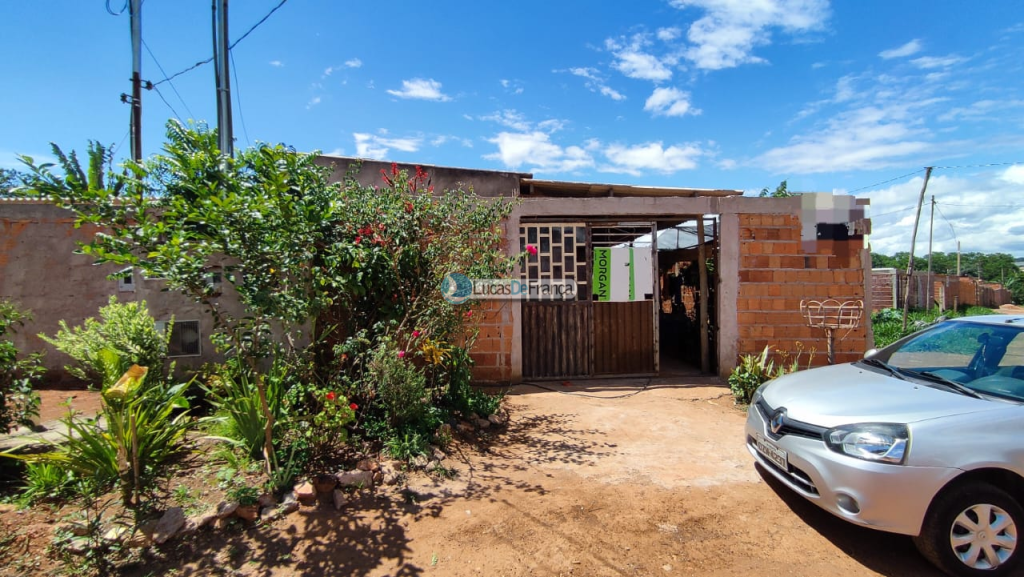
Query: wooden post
702	268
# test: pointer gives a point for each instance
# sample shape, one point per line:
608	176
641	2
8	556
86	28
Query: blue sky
832	96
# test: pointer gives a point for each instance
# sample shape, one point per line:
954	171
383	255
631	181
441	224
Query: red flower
380	226
384	175
408	207
421	174
415	334
430	188
394	169
354	407
469	314
531	249
359	239
331	396
401	354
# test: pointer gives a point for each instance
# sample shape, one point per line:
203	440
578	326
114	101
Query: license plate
772	452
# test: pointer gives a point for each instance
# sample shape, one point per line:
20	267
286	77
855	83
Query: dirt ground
608	479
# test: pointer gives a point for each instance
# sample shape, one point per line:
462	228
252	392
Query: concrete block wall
776	273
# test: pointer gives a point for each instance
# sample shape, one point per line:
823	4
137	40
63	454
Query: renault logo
778	419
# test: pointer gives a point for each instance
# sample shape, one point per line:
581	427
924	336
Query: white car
923	438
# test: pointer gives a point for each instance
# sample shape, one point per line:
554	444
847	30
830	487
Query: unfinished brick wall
775	273
948	291
492	351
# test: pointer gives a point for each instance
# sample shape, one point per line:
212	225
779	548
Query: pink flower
401	354
531	249
469	314
331	396
415	334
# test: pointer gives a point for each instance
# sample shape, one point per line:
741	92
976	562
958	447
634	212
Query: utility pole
135	12
957	258
221	59
913	242
931	228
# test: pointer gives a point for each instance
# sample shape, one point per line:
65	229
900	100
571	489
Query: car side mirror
870	353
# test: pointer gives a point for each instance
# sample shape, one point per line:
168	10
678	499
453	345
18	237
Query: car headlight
881	442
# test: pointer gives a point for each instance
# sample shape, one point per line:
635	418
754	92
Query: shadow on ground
885	553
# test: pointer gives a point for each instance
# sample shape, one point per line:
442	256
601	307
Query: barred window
184	340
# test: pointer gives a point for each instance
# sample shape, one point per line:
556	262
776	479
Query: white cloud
513	86
727	35
509	119
276	63
863	138
669	34
536	151
912	47
981	110
651	156
669	102
377	146
980	208
596	83
313	102
353	63
933	62
421	89
328	71
612	93
1013	175
634	62
444	139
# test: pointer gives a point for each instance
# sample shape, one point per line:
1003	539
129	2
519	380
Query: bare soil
600	478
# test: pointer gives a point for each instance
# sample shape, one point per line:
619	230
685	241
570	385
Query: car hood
850	393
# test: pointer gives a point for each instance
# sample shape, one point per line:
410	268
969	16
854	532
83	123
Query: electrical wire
178	94
885	181
981	165
173	111
123	8
232	45
238	96
893	211
951	229
986	206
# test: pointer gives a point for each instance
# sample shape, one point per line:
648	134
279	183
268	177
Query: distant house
724	277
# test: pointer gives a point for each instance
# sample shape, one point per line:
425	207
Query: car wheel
971	530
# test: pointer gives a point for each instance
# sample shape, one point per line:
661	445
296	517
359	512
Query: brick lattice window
561	254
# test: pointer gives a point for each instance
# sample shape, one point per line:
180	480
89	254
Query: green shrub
124	328
45	481
18	403
461	395
755	370
236	401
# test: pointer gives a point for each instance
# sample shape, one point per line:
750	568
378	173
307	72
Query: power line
886	181
153	56
951	229
238	96
873	216
985	206
173	111
981	165
232	45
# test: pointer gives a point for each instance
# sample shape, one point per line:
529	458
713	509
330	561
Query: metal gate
608	329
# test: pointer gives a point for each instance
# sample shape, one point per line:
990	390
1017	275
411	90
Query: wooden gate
595	334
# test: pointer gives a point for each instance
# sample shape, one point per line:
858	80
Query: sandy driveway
655	482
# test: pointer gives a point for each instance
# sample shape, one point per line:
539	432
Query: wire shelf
832	314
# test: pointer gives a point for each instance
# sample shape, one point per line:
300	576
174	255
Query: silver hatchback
924	438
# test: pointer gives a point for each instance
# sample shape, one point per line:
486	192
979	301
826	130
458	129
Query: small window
184	341
126	282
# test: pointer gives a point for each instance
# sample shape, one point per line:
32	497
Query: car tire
959	540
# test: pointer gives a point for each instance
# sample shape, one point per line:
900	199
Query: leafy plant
406	446
18	403
755	370
45	481
244	495
125	330
238	402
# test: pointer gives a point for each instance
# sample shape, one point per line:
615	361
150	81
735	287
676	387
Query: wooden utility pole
135	12
913	242
221	60
702	268
931	229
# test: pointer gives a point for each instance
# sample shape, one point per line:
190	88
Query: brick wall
492	351
948	291
775	274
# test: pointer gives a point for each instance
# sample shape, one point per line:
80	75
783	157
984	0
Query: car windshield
987	358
